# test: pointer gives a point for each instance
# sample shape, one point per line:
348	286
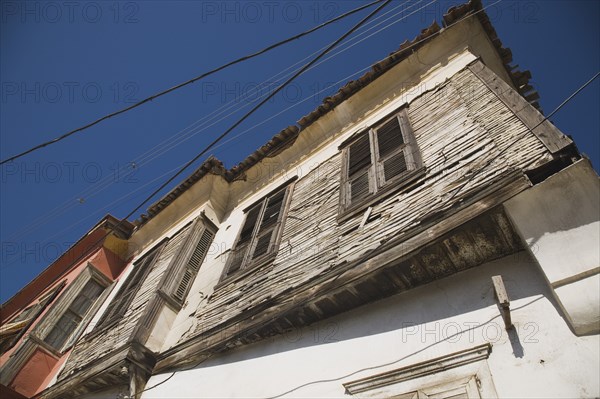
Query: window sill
403	182
251	268
56	353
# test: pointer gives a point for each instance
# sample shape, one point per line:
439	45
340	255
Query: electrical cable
193	130
178	86
569	98
174	169
248	114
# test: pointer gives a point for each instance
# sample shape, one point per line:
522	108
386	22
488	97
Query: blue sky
63	64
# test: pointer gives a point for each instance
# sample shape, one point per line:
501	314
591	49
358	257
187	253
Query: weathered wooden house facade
423	233
41	323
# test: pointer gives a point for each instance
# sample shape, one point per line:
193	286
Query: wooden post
503	301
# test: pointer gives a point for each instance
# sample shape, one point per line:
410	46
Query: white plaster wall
559	220
543	359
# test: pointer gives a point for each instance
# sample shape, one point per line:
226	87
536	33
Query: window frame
171	287
62	304
379	187
66	336
41	304
109	317
248	264
432	377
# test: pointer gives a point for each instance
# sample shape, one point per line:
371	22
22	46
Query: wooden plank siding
119	334
459	127
466	136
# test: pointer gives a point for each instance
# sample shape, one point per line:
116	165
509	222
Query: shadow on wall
441	311
559	221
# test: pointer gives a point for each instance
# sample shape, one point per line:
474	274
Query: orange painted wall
35	371
104	260
41	367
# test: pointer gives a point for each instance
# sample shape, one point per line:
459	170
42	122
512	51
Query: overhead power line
477	171
248	114
260	104
205	74
205	122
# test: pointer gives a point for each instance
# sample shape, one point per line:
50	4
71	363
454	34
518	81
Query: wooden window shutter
74	314
259	237
271	217
238	254
391	144
359	164
28	313
124	297
193	265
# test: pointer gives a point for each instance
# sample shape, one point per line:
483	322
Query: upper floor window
74	315
184	268
62	324
120	303
259	237
170	268
378	159
14	330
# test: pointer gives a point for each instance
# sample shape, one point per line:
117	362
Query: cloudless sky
64	64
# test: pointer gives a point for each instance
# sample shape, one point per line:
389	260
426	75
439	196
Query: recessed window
185	277
258	239
120	303
378	159
64	321
15	329
74	315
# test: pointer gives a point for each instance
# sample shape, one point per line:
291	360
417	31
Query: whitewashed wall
559	219
543	359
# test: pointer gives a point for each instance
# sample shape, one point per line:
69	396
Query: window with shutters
71	319
378	160
259	237
124	297
186	277
18	326
68	315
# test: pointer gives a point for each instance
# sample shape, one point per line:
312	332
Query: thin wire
162	93
128	195
341	50
344	271
222	144
192	130
255	108
423	349
387	26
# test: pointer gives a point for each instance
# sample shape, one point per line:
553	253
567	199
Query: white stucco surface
559	219
542	359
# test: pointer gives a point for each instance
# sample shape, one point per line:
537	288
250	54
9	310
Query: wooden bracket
503	301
